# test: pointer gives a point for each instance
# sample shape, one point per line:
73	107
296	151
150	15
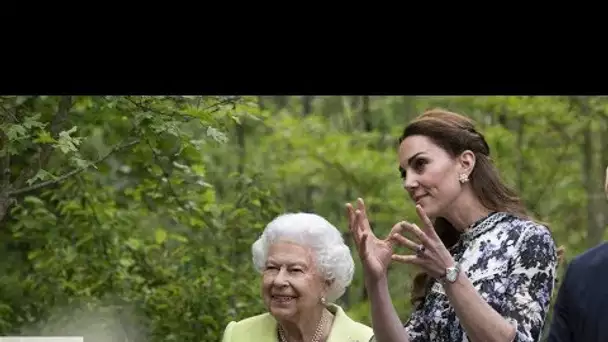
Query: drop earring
463	178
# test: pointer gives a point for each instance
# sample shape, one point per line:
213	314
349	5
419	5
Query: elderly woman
488	269
305	266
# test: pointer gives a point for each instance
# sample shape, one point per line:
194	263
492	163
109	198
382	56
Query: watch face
451	274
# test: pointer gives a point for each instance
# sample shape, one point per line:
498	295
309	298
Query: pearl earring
463	178
323	301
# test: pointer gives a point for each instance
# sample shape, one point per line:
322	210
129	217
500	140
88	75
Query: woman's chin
429	209
281	313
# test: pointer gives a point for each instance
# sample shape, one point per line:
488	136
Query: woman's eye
419	164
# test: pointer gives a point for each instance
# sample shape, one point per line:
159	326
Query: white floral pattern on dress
512	264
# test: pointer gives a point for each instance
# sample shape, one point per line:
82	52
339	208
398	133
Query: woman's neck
304	329
465	211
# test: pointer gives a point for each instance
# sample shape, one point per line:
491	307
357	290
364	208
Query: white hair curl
332	256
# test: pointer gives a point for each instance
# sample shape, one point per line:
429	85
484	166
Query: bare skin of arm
386	322
375	255
480	321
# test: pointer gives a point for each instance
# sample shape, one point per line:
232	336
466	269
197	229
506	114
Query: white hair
333	258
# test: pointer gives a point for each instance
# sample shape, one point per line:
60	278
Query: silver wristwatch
451	274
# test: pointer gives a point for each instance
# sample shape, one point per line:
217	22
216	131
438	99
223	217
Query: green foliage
134	216
139	240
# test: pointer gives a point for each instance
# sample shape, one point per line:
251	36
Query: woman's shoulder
263	327
522	229
347	329
529	239
261	319
250	327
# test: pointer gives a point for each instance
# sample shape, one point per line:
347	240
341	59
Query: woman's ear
326	286
467	162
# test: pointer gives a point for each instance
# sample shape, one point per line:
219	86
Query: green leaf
134	243
33	121
67	143
178	237
33	254
41	175
16	132
21	99
81	163
44	137
217	135
33	200
160	235
126	262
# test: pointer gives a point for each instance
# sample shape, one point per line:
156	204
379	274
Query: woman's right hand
375	254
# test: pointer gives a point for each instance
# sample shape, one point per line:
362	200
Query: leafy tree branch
73	172
41	158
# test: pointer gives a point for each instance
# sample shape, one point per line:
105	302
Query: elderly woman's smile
290	282
305	265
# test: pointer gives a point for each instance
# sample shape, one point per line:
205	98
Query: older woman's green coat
263	328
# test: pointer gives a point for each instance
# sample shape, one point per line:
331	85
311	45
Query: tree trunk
240	139
306	105
594	232
309	191
5	170
4	206
603	209
348	241
37	161
368	127
281	101
367	120
409	109
520	160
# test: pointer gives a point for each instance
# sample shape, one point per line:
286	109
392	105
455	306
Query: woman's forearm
385	321
479	320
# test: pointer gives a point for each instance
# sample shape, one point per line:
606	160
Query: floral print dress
512	264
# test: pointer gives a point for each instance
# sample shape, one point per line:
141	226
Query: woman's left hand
430	252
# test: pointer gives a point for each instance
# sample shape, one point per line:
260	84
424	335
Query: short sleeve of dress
415	327
531	283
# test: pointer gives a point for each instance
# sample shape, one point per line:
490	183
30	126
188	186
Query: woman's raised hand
375	254
430	252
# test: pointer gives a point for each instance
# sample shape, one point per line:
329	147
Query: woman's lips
418	198
282	299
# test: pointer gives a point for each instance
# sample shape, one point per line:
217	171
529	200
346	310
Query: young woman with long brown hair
488	269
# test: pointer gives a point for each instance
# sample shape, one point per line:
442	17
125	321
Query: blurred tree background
131	218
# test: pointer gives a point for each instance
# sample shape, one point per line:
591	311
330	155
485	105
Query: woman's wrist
376	282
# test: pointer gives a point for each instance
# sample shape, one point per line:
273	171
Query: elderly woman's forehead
290	250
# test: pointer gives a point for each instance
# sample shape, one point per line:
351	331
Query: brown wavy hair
456	133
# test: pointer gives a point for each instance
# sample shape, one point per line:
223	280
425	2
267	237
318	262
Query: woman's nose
409	183
281	278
